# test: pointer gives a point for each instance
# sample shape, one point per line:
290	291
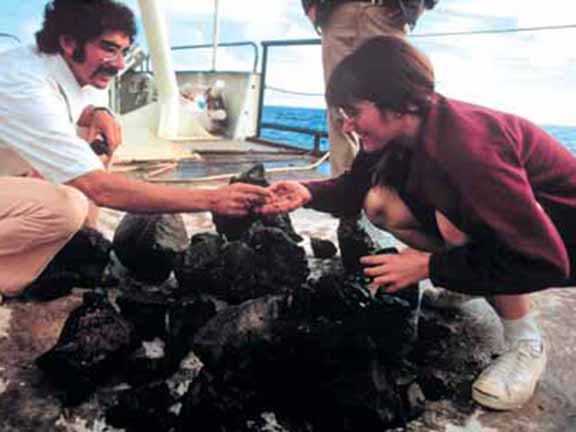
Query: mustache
106	70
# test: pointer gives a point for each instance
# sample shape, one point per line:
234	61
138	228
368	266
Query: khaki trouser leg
37	218
349	25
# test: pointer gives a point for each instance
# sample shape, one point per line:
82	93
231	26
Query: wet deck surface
27	403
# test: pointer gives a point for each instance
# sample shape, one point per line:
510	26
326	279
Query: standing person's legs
349	25
511	379
37	218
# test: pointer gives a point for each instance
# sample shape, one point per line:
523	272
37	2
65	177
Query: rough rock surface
148	245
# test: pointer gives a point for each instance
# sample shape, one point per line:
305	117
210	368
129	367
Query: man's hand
238	199
396	271
286	196
100	122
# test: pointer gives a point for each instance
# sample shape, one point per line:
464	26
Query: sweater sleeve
514	246
344	195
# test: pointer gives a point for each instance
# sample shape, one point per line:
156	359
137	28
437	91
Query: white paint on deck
472	425
3	382
5	318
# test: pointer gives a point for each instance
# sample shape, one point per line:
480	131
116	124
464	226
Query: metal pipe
156	31
261	89
215	36
11	36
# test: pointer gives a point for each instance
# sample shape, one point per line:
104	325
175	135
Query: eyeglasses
111	58
352	112
113	51
347	114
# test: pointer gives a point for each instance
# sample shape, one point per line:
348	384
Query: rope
228	176
281	90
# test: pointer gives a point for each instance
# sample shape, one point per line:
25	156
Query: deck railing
266	45
315	133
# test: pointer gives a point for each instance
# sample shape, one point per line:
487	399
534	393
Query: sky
532	74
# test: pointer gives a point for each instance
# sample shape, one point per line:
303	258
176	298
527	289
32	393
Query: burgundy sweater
488	172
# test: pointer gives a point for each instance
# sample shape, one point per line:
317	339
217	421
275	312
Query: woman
484	200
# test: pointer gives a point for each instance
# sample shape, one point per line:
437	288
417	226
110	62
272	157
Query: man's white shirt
40	103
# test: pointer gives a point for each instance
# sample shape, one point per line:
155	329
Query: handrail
289	42
317	134
11	36
265	45
224	44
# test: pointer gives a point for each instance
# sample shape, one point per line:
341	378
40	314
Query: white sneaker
510	380
442	298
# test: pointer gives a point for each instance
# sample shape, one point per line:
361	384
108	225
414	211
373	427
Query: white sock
525	328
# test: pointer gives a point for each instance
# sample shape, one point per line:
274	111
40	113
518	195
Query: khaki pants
349	25
37	218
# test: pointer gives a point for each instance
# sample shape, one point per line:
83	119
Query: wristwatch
103	108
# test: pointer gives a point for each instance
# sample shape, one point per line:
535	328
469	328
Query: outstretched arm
122	193
286	196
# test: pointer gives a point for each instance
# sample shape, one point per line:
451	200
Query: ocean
314	118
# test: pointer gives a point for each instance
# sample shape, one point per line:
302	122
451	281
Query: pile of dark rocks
278	350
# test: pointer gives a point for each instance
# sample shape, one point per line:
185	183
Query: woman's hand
396	271
238	199
286	196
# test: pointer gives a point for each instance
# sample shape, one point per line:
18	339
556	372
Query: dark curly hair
386	70
83	20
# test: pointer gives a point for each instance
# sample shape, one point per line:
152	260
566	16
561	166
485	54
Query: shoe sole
489	401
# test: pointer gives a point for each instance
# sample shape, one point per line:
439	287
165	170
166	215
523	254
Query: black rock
237	326
193	267
233	228
91	347
143	409
80	263
332	296
281	262
334	374
146	312
185	317
149	244
143	367
234	275
322	249
265	261
354	243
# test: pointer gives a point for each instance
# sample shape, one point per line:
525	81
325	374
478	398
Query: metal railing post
262	87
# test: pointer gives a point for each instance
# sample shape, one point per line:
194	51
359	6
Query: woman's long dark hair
386	70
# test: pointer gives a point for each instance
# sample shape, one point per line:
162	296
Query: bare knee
387	210
451	235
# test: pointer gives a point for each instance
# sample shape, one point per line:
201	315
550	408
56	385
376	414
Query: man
48	174
344	25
